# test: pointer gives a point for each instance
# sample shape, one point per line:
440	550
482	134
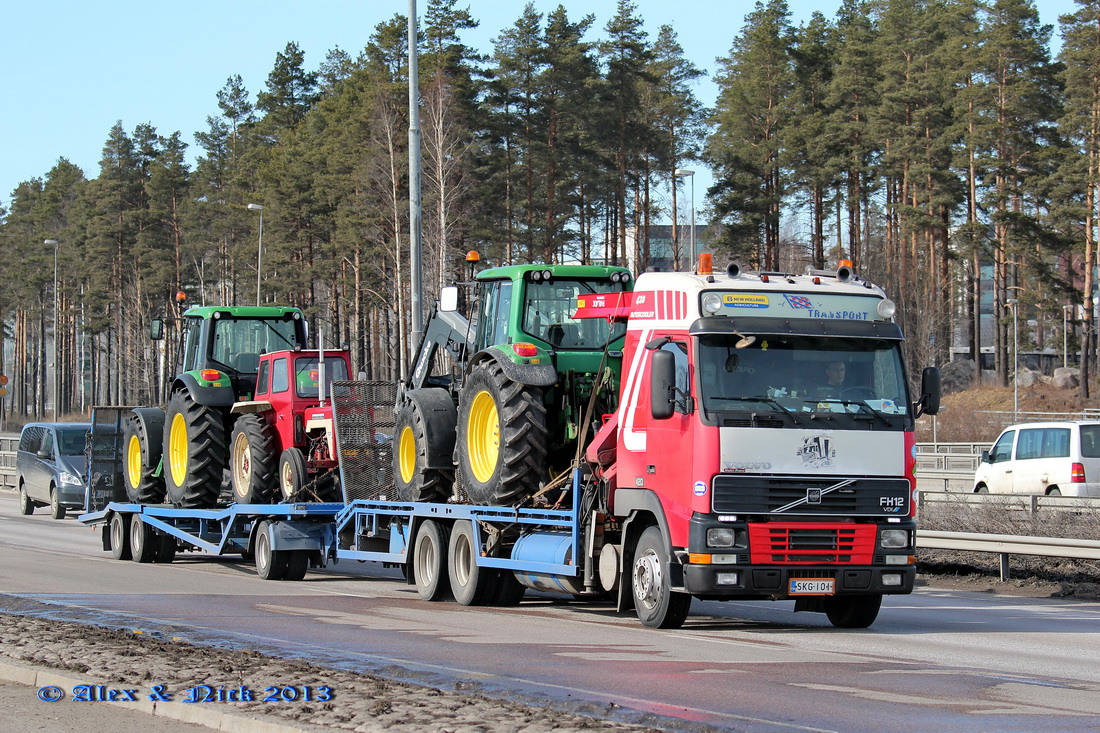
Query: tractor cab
283	438
223	344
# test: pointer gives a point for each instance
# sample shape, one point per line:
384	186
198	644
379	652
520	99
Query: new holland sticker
744	300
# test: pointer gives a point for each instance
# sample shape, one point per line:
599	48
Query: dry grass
964	416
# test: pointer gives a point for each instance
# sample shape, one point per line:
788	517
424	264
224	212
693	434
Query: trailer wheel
141	459
297	562
166	548
194	452
292	473
120	536
656	604
471	584
508	591
26	506
270	564
413	480
501	437
144	546
252	460
429	562
852	612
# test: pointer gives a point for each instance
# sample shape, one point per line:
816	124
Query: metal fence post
1006	573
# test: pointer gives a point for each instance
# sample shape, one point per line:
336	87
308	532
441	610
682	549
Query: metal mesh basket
364	414
104	450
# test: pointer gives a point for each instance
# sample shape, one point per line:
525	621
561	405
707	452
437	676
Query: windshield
71	442
238	343
548	314
802	374
307	375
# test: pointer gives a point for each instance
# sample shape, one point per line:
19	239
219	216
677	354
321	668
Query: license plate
812	586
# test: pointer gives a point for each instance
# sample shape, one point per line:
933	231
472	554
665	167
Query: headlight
887	308
894	538
720	537
712	302
71	479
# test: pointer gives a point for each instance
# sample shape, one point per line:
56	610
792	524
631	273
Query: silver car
52	466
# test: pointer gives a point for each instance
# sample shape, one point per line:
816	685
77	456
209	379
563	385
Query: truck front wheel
252	460
852	612
194	453
501	437
142	486
654	600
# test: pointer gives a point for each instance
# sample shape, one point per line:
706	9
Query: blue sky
69	69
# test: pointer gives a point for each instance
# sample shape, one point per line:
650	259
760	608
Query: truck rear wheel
501	437
429	561
194	453
252	460
413	480
141	459
655	602
852	612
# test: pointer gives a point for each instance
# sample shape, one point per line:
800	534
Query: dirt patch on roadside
339	700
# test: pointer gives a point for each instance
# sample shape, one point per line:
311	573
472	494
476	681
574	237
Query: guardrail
1007	545
8	443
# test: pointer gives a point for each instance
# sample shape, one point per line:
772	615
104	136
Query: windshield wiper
767	401
861	403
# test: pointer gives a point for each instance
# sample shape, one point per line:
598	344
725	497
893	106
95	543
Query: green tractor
522	391
179	452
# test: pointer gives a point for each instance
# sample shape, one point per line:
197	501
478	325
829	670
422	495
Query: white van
1053	458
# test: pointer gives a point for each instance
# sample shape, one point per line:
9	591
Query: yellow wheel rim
133	462
483	436
177	449
406	454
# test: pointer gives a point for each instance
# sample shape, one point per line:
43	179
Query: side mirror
43	453
985	457
930	391
448	299
662	374
156	329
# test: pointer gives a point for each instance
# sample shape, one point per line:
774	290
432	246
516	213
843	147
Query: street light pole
55	310
1015	305
684	173
1065	334
259	248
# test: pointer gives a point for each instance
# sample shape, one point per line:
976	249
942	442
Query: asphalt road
935	660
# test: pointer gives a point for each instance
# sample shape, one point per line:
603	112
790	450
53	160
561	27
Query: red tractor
283	445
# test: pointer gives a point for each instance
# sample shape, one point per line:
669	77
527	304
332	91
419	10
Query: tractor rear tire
142	487
413	480
501	437
194	453
252	460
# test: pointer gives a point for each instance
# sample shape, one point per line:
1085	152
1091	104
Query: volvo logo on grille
813	496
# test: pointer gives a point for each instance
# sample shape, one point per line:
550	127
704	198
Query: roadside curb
198	714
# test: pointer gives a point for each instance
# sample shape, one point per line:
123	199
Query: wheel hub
647	579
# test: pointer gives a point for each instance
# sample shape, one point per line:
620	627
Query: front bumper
773	581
